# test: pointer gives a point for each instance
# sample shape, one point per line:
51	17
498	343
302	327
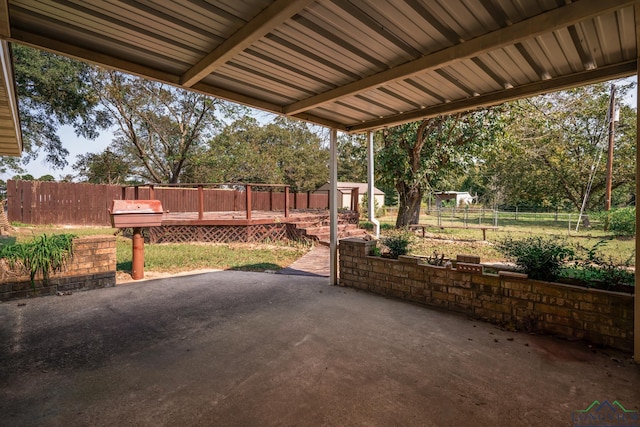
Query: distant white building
344	193
462	198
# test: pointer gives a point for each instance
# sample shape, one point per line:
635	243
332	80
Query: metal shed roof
353	65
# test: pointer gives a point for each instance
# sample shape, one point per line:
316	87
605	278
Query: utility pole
613	118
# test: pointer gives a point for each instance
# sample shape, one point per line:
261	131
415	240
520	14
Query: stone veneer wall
93	266
509	299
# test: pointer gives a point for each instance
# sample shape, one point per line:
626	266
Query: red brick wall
93	266
510	299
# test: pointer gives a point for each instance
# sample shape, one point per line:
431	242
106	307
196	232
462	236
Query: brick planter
509	299
93	266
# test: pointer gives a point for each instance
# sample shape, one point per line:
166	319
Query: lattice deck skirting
219	233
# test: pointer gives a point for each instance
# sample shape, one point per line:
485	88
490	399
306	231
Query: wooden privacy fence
37	202
237	197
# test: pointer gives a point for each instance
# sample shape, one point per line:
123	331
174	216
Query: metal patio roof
353	65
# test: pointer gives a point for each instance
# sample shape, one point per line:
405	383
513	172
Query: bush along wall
509	299
91	265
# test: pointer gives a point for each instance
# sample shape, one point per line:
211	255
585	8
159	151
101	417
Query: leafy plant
541	259
44	255
596	269
623	221
398	243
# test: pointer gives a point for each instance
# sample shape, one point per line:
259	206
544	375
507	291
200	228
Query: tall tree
553	145
52	91
159	128
418	155
284	151
352	158
102	168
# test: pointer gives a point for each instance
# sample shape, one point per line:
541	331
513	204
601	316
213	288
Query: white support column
333	209
370	181
636	319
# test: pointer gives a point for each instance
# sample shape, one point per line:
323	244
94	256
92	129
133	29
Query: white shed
344	193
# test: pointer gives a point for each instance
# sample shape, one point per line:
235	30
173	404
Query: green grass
453	241
174	258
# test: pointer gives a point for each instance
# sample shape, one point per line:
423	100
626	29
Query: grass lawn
453	241
174	258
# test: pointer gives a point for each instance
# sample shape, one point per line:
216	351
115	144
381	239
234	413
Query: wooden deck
239	218
234	226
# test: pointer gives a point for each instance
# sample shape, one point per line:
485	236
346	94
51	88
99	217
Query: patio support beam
636	315
333	208
270	18
624	69
552	20
114	63
371	198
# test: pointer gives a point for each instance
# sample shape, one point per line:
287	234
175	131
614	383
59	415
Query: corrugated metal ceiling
350	64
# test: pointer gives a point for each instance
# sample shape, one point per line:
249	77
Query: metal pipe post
333	209
137	256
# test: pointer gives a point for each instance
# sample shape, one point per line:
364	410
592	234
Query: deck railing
220	197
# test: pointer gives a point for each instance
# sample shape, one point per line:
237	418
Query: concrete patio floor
256	349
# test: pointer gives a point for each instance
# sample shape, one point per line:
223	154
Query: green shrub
599	271
44	254
541	259
398	242
623	221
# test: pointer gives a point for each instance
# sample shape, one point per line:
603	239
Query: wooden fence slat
37	202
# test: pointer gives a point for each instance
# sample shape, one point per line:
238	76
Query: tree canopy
53	91
420	155
552	144
284	151
159	128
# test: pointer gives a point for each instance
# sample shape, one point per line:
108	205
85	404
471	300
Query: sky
78	145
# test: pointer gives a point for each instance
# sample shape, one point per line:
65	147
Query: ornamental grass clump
44	255
540	259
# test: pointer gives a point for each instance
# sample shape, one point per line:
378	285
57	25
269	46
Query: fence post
200	202
248	195
135	193
123	190
152	192
286	201
270	198
354	199
308	199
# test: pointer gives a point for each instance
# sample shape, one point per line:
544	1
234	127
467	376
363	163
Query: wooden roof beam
267	20
136	69
5	24
560	83
549	21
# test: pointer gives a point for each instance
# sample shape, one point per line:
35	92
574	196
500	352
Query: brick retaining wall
509	299
93	266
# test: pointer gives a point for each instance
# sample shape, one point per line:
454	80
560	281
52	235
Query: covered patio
352	66
234	348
